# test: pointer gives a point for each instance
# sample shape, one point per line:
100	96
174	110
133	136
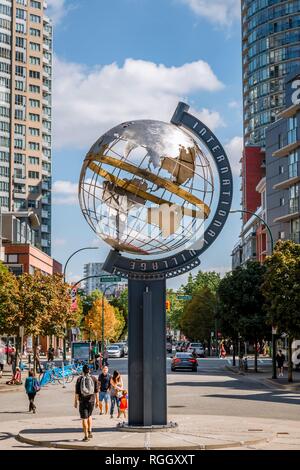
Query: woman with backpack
116	388
86	393
32	386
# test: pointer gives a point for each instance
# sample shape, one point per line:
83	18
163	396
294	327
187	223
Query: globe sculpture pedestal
132	177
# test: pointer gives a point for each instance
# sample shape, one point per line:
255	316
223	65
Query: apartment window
281	235
20	129
35	32
33	175
5	53
34	146
4	171
34	74
281	201
20	85
19	144
19	158
18	173
34	60
20	56
34	89
4	97
4	142
47	69
34	103
292	130
19	188
19	204
4	38
35	46
34	131
294	198
3	201
32	204
4	156
4	24
20	28
20	14
20	71
33	189
5	82
293	164
35	4
4	67
4	126
35	18
47	153
34	117
46	166
34	160
22	2
20	42
4	111
19	114
4	186
20	100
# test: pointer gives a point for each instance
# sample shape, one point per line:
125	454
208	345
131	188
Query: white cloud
65	193
234	149
220	12
235	105
87	102
57	9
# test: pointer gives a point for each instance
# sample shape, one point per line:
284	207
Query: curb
289	386
228	445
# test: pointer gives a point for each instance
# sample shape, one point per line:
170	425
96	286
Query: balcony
287	183
289	112
45	214
45	186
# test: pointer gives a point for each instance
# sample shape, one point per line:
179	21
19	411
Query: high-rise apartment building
94	283
25	115
271	50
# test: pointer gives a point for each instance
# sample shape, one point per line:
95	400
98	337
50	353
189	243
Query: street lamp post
243	211
64	278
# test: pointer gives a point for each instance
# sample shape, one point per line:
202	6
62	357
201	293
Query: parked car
122	347
183	361
125	346
198	347
114	351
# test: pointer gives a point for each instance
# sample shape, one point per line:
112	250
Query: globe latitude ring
188	259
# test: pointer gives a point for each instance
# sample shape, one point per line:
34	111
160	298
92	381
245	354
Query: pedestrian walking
123	404
2	359
32	386
116	388
105	357
222	351
280	359
104	384
86	394
51	353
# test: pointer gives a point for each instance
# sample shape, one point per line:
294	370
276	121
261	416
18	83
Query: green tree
199	316
281	290
9	312
241	304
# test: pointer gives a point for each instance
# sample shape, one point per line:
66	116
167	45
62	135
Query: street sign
107	279
184	297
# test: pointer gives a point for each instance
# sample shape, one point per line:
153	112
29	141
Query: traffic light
168	305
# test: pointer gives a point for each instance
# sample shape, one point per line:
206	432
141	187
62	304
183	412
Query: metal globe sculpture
146	187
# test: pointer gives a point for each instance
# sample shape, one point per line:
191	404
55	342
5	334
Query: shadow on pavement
65	430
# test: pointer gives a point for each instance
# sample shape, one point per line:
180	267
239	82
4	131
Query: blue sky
129	59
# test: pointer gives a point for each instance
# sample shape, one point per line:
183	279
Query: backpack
87	386
36	385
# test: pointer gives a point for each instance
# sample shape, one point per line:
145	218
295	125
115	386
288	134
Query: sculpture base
147	353
127	428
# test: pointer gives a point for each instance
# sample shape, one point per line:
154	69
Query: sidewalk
264	375
192	433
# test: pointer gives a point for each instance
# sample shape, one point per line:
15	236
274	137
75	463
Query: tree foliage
8	302
113	321
199	316
281	288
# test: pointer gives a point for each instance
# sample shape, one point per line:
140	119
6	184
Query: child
123	404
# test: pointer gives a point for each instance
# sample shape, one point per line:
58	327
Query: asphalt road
211	391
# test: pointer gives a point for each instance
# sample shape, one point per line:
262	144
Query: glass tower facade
271	50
